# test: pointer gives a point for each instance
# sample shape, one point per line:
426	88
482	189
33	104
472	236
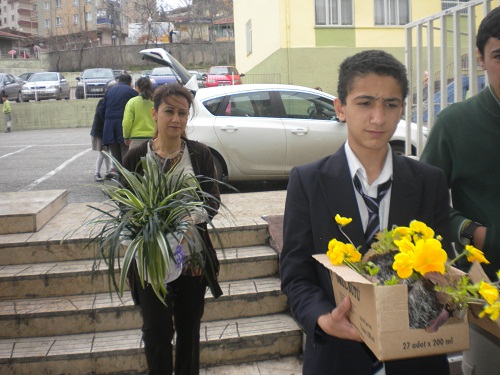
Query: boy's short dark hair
366	62
489	28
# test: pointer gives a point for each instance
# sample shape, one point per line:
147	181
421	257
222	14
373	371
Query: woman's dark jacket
98	124
203	165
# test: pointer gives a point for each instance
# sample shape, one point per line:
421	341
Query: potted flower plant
150	214
413	256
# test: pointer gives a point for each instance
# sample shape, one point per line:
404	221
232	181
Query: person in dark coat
372	89
112	110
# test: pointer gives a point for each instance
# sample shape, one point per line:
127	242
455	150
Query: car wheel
219	170
19	98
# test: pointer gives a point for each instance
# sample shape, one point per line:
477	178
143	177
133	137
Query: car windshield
220	70
162	71
40	77
98	73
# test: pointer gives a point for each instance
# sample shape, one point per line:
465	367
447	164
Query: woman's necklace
169	162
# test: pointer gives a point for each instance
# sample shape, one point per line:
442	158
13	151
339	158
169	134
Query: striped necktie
372	204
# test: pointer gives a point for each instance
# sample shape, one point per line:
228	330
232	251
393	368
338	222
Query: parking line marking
15	152
53	172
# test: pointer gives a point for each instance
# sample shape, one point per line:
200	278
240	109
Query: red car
223	76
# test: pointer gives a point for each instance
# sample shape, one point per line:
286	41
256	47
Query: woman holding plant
181	308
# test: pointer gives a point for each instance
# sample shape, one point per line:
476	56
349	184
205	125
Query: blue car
450	90
162	75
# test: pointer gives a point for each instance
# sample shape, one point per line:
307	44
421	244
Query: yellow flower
498	274
475	254
429	257
493	311
405	245
401	232
343	221
489	292
403	264
336	252
351	253
421	228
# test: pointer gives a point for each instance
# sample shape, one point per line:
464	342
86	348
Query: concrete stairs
57	316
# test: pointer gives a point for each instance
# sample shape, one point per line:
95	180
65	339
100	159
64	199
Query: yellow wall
266	33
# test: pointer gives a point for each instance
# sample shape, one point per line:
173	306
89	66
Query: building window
75	19
12	6
58	3
392	12
46	5
34	7
75	2
88	17
58	21
248	30
334	12
12	18
450	4
47	24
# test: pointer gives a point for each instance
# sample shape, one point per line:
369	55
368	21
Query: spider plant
143	211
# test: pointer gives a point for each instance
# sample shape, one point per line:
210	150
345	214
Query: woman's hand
337	323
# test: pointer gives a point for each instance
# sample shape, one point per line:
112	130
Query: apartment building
303	42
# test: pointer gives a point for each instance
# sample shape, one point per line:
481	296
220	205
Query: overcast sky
172	4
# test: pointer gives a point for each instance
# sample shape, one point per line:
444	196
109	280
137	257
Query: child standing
6	110
96	141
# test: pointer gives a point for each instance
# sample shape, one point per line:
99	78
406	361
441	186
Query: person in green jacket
138	124
465	143
6	111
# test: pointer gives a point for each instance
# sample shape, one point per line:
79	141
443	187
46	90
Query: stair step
77	277
56	243
105	312
290	365
29	211
224	341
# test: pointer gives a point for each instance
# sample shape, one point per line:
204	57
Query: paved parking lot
63	159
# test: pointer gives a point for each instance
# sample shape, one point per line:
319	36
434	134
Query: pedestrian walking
6	110
112	110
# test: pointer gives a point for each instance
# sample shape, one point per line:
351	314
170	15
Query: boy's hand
337	324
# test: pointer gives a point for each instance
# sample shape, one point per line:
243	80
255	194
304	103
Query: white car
261	131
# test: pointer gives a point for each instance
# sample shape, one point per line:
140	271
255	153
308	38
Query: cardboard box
380	314
476	274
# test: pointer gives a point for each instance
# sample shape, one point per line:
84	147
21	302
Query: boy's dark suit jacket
316	193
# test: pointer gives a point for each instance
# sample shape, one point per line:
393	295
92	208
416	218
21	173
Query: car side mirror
242	75
77	78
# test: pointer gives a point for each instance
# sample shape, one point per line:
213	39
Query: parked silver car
45	85
11	85
261	131
92	82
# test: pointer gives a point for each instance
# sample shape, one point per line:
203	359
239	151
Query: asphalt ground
51	159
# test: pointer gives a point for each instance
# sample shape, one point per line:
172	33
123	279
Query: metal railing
432	46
